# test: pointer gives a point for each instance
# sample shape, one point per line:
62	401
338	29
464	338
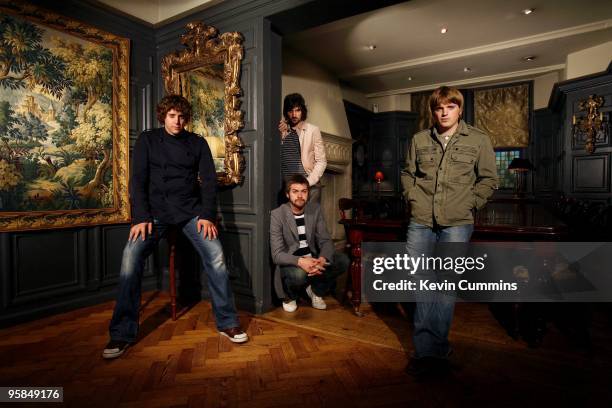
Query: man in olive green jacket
450	172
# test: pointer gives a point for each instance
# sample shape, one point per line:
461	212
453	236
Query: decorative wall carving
336	181
205	51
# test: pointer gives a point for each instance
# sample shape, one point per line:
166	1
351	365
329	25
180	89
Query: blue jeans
295	278
434	310
124	323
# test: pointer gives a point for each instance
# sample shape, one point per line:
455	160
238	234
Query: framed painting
419	103
64	142
207	73
503	112
204	89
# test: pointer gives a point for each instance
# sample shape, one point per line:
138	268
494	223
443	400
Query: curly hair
294	100
176	102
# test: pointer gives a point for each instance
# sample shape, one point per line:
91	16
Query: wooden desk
500	220
518	220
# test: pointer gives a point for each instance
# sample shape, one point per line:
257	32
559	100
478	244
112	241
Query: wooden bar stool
171	237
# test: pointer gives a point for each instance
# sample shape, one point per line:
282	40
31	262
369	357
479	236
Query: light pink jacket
313	151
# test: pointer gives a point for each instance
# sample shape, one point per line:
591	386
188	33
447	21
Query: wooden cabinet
390	135
584	175
380	144
381	141
547	153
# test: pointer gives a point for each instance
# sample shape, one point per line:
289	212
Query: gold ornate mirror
207	73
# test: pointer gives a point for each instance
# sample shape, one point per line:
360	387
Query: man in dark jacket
165	192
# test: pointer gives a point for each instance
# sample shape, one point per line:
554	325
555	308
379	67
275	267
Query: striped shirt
291	156
303	250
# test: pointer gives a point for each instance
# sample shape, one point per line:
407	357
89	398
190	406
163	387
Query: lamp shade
379	176
520	164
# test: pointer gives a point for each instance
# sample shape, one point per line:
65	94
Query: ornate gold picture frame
64	139
207	73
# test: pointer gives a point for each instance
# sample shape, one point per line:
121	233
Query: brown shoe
235	334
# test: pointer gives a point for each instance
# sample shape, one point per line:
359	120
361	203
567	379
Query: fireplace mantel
336	181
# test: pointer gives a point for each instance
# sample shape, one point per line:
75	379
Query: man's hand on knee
140	230
310	266
207	229
322	263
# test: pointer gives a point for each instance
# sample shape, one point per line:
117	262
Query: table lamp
378	177
520	167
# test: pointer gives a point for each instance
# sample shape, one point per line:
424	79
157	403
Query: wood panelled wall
43	272
51	271
562	164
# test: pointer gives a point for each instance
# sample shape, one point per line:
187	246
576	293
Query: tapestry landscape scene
56	122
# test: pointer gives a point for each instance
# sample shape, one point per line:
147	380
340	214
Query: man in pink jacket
302	149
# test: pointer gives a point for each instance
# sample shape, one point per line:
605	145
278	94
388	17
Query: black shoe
115	348
428	367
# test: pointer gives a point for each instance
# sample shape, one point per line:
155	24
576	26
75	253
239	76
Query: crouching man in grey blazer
302	248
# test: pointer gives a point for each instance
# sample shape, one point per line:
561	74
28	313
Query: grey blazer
284	238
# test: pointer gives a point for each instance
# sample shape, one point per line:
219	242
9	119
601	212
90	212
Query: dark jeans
295	278
433	314
124	323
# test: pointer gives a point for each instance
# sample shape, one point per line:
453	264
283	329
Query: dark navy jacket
164	183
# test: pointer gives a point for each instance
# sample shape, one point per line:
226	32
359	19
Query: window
502	161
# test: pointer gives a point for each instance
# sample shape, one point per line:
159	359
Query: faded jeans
124	323
433	314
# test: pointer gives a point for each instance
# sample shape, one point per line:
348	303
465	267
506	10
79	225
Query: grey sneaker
290	306
317	301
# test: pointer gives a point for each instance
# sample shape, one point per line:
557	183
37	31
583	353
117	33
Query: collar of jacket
462	129
181	135
291	221
290	211
300	126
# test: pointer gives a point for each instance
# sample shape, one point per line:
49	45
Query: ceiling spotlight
529	58
527	11
444	30
371	47
467	69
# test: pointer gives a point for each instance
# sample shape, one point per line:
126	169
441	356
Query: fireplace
336	182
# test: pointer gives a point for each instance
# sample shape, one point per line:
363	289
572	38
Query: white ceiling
159	11
490	36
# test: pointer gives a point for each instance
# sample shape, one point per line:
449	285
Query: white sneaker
317	301
290	306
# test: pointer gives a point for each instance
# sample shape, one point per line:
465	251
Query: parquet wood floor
187	364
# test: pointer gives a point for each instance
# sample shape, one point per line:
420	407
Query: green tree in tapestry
90	67
55	119
25	63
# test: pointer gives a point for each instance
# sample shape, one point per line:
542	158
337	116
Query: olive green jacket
446	185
